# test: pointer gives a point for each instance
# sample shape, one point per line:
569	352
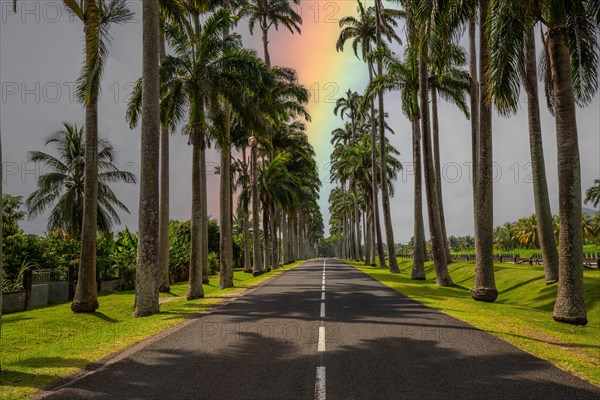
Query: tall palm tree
425	35
62	186
404	76
147	278
385	191
242	184
484	288
268	14
449	81
507	103
97	16
361	31
571	59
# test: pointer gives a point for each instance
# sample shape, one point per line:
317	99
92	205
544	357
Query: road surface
325	330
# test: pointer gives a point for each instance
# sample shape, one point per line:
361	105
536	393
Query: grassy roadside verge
40	346
522	315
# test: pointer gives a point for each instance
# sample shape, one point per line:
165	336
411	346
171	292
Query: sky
41	51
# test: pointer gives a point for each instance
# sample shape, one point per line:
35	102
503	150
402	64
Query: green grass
45	344
526	253
522	314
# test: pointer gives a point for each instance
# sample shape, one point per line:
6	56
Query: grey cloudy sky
40	58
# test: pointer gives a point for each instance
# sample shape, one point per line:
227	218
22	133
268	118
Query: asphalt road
347	338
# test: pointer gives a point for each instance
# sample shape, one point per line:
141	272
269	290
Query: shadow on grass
104	317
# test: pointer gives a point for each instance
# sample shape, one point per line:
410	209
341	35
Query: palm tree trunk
164	286
377	224
226	235
418	267
367	230
267	236
247	257
265	40
373	239
474	117
356	228
274	242
86	296
289	238
295	241
147	271
485	286
438	169
258	268
570	305
385	196
540	185
299	234
204	210
195	289
284	240
435	230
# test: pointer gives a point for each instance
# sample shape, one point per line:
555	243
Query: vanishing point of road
325	330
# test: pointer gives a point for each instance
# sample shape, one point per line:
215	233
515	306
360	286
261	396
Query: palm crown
62	186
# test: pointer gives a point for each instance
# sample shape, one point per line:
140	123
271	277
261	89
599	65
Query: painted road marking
322	310
322	295
320	384
321	345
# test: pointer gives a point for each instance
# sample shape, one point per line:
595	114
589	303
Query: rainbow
325	72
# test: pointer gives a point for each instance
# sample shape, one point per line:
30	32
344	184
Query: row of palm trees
235	100
224	96
499	61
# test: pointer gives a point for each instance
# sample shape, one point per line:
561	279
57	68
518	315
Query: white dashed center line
320	388
321	345
320	385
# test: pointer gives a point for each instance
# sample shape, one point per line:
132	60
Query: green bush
125	257
213	263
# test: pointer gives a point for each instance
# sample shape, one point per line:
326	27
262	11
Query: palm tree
269	13
425	35
242	183
506	100
363	33
527	232
451	82
404	76
62	186
571	59
148	272
592	195
97	16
